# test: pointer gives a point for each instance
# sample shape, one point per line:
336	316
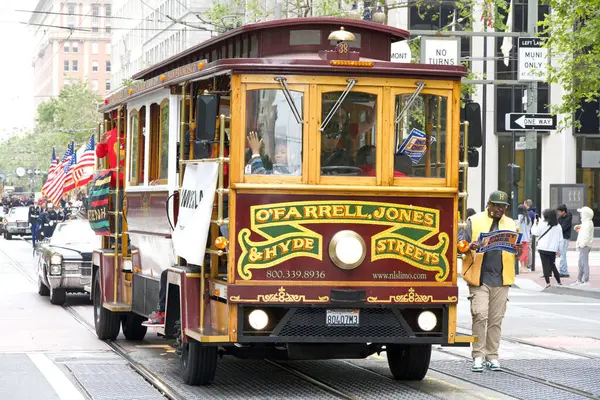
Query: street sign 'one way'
530	122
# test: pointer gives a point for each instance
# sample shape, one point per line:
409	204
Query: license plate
342	318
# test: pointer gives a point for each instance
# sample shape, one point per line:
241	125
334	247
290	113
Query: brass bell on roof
341	35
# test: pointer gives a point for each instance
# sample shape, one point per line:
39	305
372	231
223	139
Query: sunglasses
332	136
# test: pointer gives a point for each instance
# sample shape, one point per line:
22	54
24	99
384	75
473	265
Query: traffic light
513	171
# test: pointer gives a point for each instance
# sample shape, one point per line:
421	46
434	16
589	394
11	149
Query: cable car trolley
296	193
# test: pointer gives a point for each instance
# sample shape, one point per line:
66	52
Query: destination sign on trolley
530	122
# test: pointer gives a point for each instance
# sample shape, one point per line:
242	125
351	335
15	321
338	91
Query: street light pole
531	162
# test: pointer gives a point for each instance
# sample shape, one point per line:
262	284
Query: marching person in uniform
489	275
48	219
34	213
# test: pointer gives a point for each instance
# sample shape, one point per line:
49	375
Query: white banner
195	211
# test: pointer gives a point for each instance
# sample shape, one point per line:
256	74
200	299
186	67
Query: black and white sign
400	52
440	51
530	122
533	60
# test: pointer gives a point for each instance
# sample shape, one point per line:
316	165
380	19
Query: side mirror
472	113
206	117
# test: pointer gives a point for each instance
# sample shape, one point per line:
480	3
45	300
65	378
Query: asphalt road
49	352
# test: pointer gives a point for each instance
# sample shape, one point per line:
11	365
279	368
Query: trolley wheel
408	362
132	327
198	363
107	323
43	290
58	296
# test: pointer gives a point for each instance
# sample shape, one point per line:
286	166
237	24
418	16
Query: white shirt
551	240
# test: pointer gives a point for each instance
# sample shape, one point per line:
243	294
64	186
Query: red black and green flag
98	210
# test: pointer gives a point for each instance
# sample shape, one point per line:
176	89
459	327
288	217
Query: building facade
150	31
72	42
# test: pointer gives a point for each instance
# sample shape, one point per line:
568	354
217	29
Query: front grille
374	323
71	266
22	224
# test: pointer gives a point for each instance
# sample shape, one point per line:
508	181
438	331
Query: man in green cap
489	275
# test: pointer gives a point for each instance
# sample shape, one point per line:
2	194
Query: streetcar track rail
141	370
522	375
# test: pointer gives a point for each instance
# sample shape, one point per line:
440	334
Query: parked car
65	260
16	222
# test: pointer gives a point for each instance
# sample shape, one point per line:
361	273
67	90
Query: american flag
51	172
84	169
57	185
69	168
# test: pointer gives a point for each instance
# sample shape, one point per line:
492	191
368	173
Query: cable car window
305	36
135	143
164	141
348	138
274	134
420	132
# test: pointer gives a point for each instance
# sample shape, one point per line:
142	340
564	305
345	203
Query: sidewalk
595	245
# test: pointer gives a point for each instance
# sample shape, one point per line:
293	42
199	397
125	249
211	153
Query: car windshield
19	213
74	232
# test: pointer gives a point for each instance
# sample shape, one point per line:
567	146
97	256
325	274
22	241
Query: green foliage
573	39
71	116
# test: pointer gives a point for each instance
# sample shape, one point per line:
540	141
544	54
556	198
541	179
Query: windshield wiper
338	104
288	97
411	100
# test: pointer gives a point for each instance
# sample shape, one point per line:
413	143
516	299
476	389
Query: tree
572	32
72	115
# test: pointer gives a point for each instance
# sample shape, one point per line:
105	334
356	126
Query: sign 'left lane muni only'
530	122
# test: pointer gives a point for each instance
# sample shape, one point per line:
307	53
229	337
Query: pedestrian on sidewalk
549	234
565	219
489	275
585	239
524	225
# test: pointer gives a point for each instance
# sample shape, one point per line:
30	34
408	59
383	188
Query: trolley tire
43	290
58	296
408	362
198	363
106	322
132	327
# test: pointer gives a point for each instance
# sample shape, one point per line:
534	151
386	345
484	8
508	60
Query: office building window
94	47
94	85
66	66
75	66
108	10
71	15
94	66
75	47
95	17
108	66
107	84
66	47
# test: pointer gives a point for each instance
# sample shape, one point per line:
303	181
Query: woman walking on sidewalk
524	225
549	234
585	239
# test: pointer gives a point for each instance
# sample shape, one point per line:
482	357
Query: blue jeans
34	233
563	268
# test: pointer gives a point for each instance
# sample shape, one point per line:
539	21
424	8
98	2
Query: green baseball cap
499	197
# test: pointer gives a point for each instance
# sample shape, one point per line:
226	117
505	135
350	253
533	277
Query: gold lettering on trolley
412	297
281	296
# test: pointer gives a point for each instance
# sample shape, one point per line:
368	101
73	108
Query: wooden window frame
134	113
423	181
274	179
349	180
161	106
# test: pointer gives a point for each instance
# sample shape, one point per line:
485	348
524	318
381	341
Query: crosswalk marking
55	377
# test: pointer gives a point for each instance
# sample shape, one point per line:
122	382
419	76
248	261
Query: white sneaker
477	364
585	284
493	365
576	283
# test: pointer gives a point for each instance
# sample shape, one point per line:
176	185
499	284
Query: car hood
76	252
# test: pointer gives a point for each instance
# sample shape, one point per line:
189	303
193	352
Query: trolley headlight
258	319
347	249
427	321
56	259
